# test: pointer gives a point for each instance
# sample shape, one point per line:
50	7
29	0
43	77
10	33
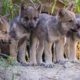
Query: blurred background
12	6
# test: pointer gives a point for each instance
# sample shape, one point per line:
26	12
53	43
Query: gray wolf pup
20	30
49	30
4	36
73	36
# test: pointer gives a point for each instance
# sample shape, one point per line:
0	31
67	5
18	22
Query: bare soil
66	71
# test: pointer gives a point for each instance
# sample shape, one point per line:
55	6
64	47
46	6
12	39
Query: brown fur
4	36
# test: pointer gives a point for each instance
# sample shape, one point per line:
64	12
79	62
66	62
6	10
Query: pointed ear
21	9
22	6
60	12
6	18
39	8
70	6
1	20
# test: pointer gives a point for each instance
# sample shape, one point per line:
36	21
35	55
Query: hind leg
13	49
72	50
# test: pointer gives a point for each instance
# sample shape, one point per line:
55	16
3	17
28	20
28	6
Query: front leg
22	52
59	50
13	50
48	54
40	50
33	49
53	53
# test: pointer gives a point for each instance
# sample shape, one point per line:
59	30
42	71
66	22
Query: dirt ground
66	71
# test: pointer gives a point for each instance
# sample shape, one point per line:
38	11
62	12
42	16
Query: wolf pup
20	30
49	30
73	36
4	36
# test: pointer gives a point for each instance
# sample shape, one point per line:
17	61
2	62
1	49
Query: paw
47	65
24	63
62	62
41	64
15	63
12	61
74	61
33	64
30	63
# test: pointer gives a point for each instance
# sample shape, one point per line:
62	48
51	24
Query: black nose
31	25
78	26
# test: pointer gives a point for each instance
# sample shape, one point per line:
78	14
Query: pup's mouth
5	42
5	39
73	30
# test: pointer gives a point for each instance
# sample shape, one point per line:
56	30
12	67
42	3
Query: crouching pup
4	36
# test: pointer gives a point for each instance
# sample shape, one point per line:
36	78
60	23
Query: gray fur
20	30
49	30
73	37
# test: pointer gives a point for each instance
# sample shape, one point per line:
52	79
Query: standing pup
49	30
20	30
72	37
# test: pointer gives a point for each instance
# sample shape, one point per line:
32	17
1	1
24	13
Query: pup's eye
35	18
70	20
4	32
26	18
